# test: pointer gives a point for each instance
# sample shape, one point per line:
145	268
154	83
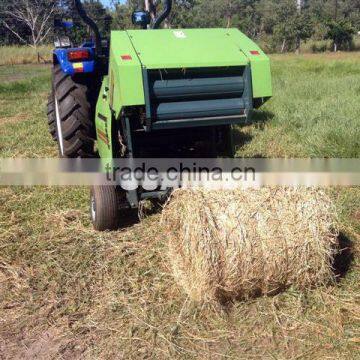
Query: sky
108	2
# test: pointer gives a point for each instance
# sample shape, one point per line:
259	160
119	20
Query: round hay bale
236	244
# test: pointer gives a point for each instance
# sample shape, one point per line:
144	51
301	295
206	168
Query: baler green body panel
260	64
126	83
137	55
103	122
188	48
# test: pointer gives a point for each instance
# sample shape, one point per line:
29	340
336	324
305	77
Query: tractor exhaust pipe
163	15
91	23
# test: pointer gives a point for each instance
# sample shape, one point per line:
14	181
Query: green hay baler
149	93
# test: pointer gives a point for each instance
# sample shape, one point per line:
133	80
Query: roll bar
82	13
163	15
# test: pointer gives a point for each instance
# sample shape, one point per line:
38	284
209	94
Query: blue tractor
76	79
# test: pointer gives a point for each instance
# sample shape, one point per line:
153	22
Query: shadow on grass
132	217
259	119
341	266
344	257
128	219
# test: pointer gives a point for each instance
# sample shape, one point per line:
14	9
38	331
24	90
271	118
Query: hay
232	245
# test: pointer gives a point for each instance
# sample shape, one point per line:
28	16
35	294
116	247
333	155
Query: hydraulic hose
163	15
90	22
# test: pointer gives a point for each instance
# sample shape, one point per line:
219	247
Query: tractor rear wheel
70	116
51	115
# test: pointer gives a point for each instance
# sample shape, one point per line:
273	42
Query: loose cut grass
228	245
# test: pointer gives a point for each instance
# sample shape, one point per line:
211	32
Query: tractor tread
78	129
51	116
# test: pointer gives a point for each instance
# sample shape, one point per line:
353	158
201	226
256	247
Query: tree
121	17
341	33
6	36
290	26
277	24
28	20
183	14
95	10
122	14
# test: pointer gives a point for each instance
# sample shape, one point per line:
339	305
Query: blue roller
182	89
199	109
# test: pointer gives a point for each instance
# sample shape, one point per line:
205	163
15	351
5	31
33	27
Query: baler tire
75	129
104	208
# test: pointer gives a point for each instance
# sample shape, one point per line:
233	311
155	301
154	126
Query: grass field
69	292
20	55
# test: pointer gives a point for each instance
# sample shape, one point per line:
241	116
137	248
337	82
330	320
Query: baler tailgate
197	96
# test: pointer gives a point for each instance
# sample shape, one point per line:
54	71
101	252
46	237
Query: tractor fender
60	56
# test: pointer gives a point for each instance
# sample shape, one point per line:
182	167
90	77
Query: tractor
152	93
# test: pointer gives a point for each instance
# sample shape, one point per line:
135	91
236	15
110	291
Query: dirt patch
46	344
12	77
356	216
17	73
13	119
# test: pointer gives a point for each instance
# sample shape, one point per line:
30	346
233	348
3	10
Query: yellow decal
78	65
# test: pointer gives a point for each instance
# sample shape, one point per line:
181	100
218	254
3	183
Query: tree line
279	24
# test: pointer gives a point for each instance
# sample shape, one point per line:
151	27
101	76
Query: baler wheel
104	207
70	116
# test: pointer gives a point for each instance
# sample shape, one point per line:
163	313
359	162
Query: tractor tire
70	116
51	116
104	207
